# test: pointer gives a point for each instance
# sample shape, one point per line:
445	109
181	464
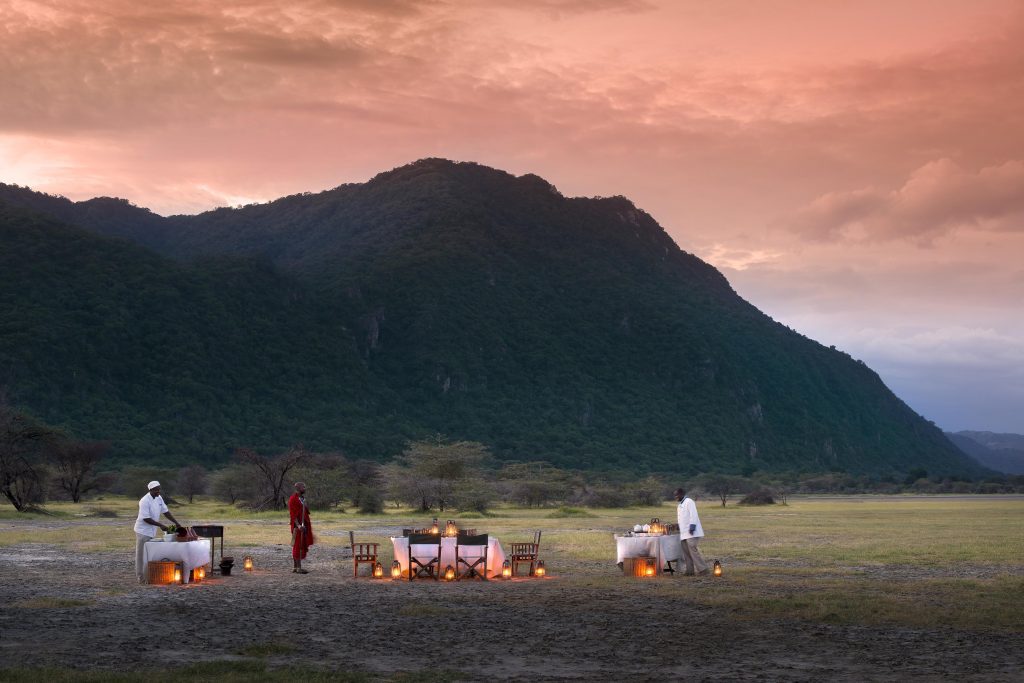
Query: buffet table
191	555
665	547
495	553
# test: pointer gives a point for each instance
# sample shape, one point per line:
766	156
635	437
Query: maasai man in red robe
302	529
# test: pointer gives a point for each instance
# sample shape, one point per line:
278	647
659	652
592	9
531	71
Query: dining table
664	547
495	553
191	554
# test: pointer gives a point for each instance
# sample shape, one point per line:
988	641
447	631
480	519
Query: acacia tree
272	473
75	463
722	485
191	480
435	472
23	442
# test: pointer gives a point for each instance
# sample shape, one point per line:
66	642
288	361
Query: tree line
39	463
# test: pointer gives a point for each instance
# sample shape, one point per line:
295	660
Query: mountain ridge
488	306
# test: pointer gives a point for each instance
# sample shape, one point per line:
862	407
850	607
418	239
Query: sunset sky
856	169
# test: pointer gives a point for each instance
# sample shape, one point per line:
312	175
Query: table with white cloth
664	547
495	553
191	554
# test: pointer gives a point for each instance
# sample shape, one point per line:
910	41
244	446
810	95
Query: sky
855	169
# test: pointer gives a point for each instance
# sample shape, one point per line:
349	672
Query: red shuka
302	539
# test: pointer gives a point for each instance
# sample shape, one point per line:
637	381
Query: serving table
191	554
495	553
664	547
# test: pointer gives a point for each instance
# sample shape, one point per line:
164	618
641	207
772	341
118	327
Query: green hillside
437	297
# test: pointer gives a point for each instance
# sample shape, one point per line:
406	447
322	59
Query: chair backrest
352	541
478	540
424	539
536	539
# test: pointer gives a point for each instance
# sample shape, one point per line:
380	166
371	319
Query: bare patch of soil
83	610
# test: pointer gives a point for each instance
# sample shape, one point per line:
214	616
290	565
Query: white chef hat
153	484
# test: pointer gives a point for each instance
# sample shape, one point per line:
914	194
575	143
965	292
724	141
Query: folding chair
525	552
362	553
421	565
475	563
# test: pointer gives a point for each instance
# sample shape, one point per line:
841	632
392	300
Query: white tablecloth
191	555
665	547
495	554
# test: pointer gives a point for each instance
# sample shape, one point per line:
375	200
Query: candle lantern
449	573
396	570
177	575
506	570
200	573
378	570
450	530
650	569
656	526
433	527
717	571
540	571
247	563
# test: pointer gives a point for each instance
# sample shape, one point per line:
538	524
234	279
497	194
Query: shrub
758	497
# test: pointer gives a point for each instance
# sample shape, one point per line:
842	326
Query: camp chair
475	562
525	552
362	553
424	565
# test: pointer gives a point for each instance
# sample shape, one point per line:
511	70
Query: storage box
640	566
161	572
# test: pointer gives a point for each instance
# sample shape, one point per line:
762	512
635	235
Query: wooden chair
362	553
475	563
525	552
421	565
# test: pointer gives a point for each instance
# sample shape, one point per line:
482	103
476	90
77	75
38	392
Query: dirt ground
577	626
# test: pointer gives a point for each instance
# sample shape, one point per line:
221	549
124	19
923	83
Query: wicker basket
637	566
161	572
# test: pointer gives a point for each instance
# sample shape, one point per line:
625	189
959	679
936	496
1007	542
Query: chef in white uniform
690	533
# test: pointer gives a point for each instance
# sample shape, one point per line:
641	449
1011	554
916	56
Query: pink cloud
938	197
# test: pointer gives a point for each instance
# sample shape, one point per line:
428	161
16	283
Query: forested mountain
435	298
1000	452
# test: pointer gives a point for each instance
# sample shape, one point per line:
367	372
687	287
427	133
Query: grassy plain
895	562
913	560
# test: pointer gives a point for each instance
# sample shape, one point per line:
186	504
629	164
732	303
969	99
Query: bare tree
272	473
23	442
233	483
75	463
191	480
723	485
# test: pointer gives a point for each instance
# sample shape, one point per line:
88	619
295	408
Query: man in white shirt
690	532
151	506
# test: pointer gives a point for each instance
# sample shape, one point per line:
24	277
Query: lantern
378	570
656	526
200	573
506	570
718	568
247	563
649	568
177	575
540	571
433	527
449	573
450	530
396	570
